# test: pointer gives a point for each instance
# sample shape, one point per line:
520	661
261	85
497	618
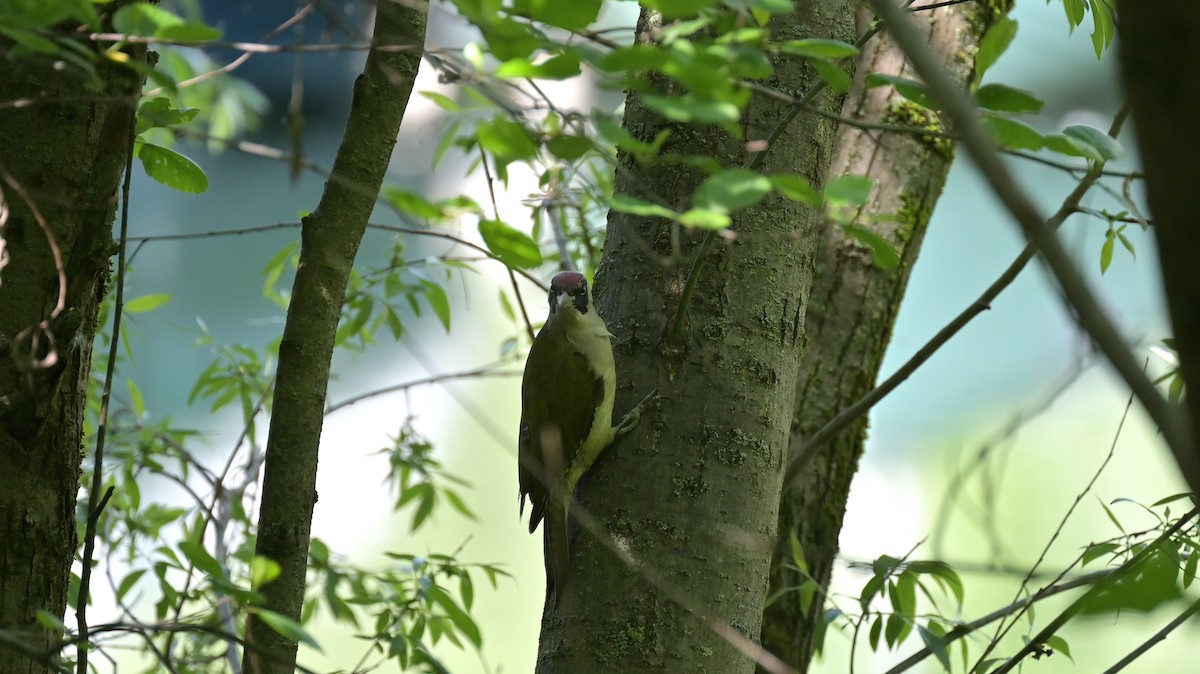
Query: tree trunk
1160	59
61	161
681	514
853	308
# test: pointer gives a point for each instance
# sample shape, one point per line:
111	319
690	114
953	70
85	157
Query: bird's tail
557	549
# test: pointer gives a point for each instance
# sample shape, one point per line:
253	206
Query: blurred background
975	460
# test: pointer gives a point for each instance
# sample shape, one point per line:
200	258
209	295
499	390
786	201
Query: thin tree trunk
61	161
854	306
682	512
329	241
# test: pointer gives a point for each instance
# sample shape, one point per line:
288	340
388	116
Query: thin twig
479	372
1003	629
1038	640
95	502
1154	640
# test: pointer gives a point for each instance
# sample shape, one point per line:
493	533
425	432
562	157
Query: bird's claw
630	421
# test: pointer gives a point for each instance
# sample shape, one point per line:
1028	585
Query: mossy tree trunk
682	512
854	306
62	154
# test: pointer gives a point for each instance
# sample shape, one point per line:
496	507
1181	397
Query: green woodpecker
566	413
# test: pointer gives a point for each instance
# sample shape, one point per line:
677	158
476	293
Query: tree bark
61	161
330	238
854	306
689	500
1160	64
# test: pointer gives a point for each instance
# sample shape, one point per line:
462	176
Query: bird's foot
630	421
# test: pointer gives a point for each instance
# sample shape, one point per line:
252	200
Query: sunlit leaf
144	303
512	246
731	189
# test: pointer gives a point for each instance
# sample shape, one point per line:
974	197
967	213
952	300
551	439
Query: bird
567	394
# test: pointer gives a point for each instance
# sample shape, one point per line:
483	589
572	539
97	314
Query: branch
958	110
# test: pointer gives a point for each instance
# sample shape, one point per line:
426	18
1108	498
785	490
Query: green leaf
1189	568
1102	27
507	38
410	202
883	254
572	15
560	67
731	190
189	31
1106	253
911	89
1010	133
172	169
145	303
462	621
441	100
703	218
287	628
772	7
834	75
994	43
507	140
436	296
1148	586
1105	145
936	645
512	246
138	403
633	58
1075	10
818	49
676	9
876	630
1065	145
1096	551
623	203
199	557
1111	516
128	582
161	112
30	40
143	19
1004	98
797	188
1056	642
943	573
690	109
849	189
51	621
263	571
568	147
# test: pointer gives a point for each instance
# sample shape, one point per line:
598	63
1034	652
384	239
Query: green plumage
566	412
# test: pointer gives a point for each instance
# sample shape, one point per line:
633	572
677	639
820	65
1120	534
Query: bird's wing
559	398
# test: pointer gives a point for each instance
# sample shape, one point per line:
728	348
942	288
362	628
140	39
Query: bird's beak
563	300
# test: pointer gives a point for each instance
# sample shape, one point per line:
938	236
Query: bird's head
569	291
